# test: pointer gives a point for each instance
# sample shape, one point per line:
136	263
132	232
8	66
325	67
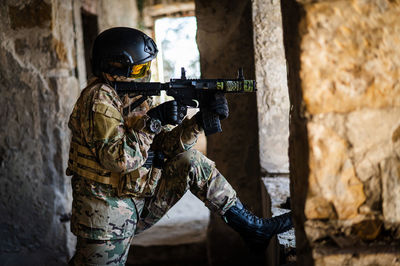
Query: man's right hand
166	112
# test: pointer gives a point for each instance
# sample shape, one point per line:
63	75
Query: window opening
176	39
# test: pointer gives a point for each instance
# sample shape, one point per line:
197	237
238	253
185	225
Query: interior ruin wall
272	91
39	83
225	41
344	130
42	70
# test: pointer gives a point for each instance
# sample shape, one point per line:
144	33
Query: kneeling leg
188	170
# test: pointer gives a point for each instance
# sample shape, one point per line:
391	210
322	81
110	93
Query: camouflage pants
188	170
101	252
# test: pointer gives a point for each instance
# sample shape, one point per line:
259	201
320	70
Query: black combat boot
256	231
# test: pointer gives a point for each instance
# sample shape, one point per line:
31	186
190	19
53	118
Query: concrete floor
184	223
178	239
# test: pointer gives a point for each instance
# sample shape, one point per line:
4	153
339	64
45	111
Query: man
128	169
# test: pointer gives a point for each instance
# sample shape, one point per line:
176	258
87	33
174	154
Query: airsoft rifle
192	93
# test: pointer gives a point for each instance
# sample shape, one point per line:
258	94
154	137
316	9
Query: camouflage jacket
109	143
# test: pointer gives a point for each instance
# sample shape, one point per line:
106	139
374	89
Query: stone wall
272	90
273	115
117	13
344	133
39	81
225	42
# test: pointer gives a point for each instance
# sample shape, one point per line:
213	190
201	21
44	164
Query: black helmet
116	50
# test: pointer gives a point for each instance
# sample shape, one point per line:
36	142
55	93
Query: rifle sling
133	105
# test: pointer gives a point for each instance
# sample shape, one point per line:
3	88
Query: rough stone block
379	256
354	170
334	188
350	56
391	189
343	76
372	136
36	13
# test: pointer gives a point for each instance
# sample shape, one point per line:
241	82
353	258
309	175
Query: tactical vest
83	163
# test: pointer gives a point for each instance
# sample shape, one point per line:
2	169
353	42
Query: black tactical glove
166	112
219	105
215	103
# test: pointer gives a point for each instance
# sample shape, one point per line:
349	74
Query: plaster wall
39	82
344	144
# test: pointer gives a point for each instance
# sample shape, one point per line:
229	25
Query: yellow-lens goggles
139	71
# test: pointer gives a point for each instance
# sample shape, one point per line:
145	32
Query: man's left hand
219	105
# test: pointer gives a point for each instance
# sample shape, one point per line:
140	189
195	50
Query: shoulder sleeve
118	148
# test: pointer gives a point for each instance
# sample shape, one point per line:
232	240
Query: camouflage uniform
114	196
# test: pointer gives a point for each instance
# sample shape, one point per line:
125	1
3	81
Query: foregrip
211	122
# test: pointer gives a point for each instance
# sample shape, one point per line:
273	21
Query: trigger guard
197	103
